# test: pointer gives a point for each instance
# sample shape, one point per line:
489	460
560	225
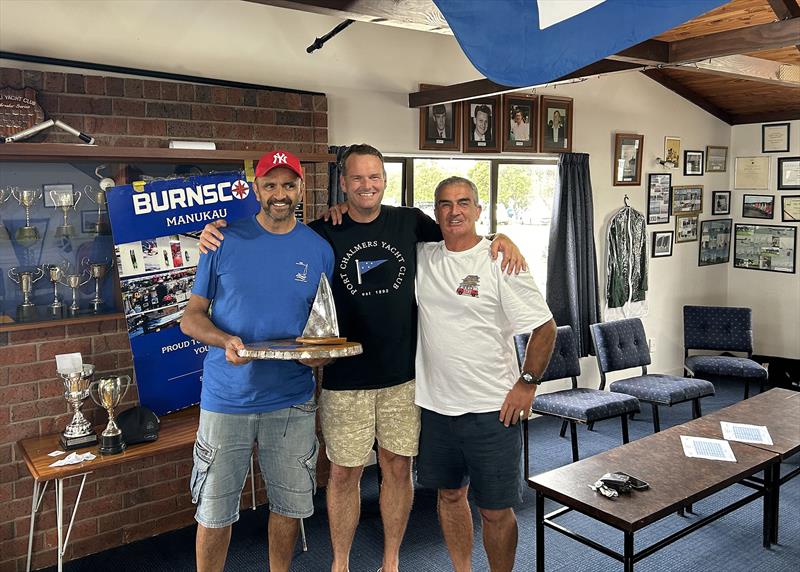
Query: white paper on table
73	459
746	433
703	448
55	453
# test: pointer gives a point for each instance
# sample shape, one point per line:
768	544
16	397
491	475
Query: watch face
528	378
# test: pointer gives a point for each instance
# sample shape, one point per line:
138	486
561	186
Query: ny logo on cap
279	158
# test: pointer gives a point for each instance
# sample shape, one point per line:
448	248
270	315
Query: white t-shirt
469	312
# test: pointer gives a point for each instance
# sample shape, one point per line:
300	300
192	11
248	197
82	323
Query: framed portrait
687	199
61	192
790	208
658	198
482	125
775	138
751	173
685	228
715	242
672	150
662	244
555	124
789	173
628	159
765	247
716	159
693	162
520	122
440	125
758	206
721	202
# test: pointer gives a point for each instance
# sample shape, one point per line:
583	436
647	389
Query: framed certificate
788	173
751	173
775	138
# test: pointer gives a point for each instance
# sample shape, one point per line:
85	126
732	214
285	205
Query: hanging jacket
626	267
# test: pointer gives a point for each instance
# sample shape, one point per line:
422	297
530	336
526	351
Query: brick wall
148	497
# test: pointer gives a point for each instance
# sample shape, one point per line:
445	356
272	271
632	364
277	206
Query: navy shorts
473	449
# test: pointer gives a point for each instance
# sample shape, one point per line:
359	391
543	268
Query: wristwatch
529	378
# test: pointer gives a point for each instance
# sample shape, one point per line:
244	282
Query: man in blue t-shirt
258	286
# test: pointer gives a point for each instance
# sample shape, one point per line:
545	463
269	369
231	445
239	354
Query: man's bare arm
211	237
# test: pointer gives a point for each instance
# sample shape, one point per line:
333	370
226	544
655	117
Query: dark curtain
335	192
572	284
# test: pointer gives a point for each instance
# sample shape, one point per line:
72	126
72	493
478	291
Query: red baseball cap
273	159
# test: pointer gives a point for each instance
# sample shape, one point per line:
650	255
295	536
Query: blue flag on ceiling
531	42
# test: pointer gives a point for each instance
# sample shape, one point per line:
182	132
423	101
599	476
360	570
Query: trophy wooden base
292	350
69	443
111	445
319	341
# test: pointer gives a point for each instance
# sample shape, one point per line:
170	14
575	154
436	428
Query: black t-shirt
375	264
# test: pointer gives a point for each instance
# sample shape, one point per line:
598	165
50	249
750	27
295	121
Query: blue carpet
730	544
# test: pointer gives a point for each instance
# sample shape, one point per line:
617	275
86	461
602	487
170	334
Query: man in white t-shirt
468	385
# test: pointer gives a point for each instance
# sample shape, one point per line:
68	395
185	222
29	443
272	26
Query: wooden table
676	481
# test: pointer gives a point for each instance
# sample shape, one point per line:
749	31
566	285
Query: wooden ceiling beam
649	52
686	93
748	68
740	41
764	117
785	9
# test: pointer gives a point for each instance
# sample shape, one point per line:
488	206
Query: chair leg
573	433
696	410
624	419
590	426
525	445
746	388
631	415
563	428
656	421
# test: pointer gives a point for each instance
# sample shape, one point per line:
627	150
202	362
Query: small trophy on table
77	376
107	393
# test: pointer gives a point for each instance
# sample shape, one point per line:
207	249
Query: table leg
769	505
34	507
628	552
539	532
776	498
60	522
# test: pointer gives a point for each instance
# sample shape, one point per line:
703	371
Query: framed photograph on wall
721	202
715	242
687	199
789	173
481	125
662	244
775	138
628	159
790	208
716	159
765	247
751	173
672	150
685	228
440	125
758	206
693	162
658	198
63	193
520	122
555	124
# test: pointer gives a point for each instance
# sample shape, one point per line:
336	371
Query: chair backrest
717	328
620	344
564	361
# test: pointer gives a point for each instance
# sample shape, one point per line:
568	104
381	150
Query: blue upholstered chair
721	329
576	405
621	345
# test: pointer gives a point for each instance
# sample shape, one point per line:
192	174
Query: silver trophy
98	197
26	279
74	282
27	235
5	194
322	322
65	200
107	393
97	270
56	275
79	432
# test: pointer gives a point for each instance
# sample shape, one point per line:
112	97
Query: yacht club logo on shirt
301	276
372	268
469	286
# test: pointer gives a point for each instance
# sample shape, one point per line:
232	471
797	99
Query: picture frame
766	247
751	173
58	188
790	208
721	203
686	227
687	199
662	244
789	173
555	124
672	150
444	117
520	123
627	169
481	125
89	221
758	206
775	137
715	242
693	163
716	159
659	198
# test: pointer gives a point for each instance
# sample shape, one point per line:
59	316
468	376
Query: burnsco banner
155	227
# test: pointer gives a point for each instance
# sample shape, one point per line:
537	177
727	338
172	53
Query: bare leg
456	520
344	510
499	538
397	493
211	548
282	539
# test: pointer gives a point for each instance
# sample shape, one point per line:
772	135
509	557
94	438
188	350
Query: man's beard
277	216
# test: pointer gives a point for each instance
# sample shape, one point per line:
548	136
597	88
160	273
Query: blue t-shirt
261	286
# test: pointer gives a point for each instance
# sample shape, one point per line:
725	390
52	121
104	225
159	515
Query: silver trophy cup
98	197
79	432
98	270
25	279
65	200
27	235
107	393
74	282
56	275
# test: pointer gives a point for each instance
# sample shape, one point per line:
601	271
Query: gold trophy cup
107	393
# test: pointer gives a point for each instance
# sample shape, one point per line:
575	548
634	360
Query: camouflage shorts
352	419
